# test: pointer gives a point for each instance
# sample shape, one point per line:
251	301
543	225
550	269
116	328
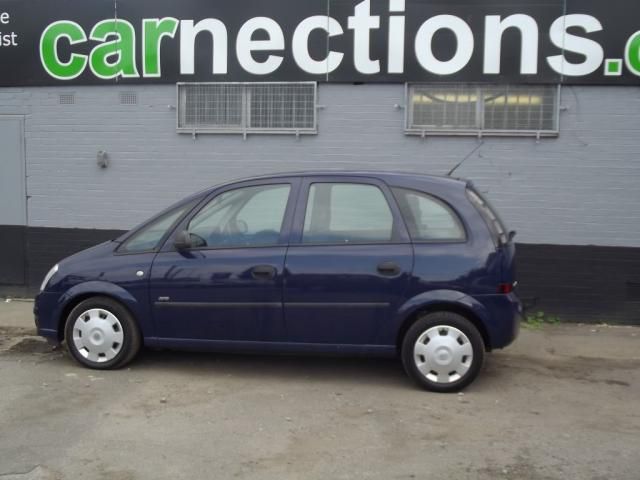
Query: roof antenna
465	158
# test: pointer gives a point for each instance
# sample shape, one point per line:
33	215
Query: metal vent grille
128	98
211	106
483	109
281	106
444	106
520	107
271	107
67	99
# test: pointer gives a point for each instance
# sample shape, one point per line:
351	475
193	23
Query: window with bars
266	107
459	109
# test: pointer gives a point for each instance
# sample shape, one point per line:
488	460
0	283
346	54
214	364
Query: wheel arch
468	310
87	290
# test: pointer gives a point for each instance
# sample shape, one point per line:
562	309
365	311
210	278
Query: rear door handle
389	269
263	272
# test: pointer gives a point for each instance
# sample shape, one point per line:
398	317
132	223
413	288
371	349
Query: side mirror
182	241
512	234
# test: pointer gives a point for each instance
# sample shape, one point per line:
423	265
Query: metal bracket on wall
102	159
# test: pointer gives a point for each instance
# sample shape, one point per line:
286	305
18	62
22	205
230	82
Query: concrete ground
561	403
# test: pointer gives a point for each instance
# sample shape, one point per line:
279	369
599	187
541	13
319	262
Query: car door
133	258
228	285
348	264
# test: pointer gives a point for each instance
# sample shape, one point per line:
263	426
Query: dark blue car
349	263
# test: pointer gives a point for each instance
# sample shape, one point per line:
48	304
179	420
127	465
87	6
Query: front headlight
48	277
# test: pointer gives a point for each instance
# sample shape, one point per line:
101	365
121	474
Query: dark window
148	237
495	224
428	218
250	216
347	213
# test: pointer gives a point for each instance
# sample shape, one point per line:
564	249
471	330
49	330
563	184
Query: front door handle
389	269
263	272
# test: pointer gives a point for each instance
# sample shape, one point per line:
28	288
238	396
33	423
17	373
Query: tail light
506	287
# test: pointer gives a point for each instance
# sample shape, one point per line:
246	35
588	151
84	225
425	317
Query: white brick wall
581	188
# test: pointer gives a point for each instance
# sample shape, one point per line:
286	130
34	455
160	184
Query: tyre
100	333
442	352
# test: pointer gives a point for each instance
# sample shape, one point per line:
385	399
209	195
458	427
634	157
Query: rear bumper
505	314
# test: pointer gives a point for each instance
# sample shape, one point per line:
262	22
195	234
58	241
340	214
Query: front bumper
45	310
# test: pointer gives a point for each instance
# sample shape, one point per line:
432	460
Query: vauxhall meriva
323	262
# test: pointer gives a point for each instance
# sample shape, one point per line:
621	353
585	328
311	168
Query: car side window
250	216
347	213
148	237
428	218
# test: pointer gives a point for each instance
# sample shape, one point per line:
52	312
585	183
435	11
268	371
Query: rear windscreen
491	217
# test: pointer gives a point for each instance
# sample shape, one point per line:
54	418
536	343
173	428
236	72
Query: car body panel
97	271
334	294
212	295
272	347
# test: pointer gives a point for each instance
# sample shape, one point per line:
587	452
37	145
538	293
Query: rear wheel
443	352
100	333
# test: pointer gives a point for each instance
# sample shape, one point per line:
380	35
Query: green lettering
123	48
632	53
154	29
49	50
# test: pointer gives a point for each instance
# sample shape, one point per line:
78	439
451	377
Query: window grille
67	99
467	109
270	107
128	98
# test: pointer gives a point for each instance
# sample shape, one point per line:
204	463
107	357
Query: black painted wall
581	283
29	252
588	284
13	254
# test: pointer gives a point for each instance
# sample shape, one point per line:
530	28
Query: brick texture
578	189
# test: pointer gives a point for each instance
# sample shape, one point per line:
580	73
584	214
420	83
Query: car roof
385	175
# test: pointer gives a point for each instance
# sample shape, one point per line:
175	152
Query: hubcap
443	354
97	335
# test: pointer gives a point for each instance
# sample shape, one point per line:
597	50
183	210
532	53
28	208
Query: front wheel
443	352
100	333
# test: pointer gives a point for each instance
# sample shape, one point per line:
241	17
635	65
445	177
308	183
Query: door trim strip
337	304
273	304
218	304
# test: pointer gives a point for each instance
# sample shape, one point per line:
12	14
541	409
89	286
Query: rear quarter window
428	218
490	216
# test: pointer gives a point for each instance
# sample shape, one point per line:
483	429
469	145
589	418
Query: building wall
579	189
